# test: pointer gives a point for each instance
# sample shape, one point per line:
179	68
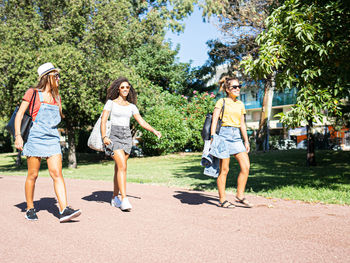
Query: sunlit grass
280	174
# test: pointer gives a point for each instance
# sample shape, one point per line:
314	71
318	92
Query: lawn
279	174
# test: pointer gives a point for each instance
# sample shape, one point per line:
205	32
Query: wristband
104	137
17	135
211	136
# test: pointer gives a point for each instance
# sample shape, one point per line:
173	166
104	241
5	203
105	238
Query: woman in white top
121	100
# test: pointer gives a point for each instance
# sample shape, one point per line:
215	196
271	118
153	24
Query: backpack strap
32	99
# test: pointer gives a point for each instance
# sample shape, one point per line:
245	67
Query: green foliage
179	118
240	22
93	43
171	124
5	138
308	44
195	111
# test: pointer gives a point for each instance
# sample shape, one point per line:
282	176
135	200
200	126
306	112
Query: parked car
136	152
285	144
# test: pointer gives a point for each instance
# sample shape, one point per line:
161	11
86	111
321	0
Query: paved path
167	225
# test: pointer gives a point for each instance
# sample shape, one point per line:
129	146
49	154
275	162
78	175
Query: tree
93	42
308	43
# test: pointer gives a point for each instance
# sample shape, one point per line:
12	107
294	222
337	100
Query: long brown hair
53	84
113	91
224	83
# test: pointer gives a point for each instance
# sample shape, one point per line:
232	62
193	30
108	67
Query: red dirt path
167	225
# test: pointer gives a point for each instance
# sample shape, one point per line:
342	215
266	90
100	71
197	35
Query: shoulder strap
32	99
110	112
222	109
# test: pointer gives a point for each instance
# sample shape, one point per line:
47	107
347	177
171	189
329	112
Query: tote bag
95	141
26	123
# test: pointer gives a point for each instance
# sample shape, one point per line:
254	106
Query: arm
146	126
214	121
18	121
244	133
104	119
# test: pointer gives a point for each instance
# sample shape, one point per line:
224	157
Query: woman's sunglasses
235	87
124	87
56	75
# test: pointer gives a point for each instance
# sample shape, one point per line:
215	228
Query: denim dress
43	139
228	142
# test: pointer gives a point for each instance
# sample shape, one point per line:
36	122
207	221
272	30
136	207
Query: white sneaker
116	202
125	205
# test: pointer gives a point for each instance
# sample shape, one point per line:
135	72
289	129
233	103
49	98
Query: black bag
207	124
27	121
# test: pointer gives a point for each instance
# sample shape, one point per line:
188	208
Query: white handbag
95	141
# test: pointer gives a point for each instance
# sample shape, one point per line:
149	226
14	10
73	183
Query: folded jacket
211	164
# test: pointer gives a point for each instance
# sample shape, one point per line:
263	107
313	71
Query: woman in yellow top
228	142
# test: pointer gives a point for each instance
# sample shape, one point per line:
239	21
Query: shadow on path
196	198
99	196
103	196
47	203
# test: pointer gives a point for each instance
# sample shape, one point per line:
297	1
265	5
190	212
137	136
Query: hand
19	143
157	133
106	140
247	146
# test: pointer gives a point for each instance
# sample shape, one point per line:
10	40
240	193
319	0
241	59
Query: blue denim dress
228	142
43	139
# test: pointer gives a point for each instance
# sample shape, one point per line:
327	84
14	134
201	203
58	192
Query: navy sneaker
68	214
31	215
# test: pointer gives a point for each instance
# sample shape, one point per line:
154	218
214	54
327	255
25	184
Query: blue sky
193	40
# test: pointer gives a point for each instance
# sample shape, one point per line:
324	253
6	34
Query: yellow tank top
233	112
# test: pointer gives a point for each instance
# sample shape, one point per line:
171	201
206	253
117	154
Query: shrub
5	138
171	123
195	111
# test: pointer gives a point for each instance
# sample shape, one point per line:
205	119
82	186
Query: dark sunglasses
235	87
56	75
124	87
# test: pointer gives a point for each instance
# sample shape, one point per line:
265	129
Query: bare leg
221	180
54	164
120	159
244	163
115	181
33	172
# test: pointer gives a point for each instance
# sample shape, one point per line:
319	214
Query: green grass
280	174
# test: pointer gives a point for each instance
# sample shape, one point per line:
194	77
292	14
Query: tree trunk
263	133
310	157
72	159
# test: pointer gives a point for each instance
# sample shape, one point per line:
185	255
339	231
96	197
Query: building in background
326	135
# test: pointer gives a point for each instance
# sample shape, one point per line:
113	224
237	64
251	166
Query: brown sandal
226	204
244	202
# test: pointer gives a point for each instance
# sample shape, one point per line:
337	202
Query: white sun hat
46	68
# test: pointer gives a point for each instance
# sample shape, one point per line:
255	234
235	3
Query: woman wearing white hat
43	139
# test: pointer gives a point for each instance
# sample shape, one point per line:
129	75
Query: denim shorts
228	142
